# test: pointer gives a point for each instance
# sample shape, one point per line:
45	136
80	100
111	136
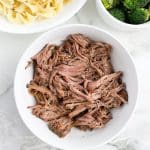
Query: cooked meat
34	88
61	126
80	40
74	85
47	113
78	110
87	122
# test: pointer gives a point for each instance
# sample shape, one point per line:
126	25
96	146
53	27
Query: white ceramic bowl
76	139
112	21
68	11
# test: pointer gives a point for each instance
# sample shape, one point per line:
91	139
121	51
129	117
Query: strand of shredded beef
74	85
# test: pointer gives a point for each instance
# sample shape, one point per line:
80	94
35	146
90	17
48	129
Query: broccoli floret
138	16
133	4
110	3
118	13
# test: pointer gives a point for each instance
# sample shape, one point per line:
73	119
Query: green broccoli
138	16
118	13
133	4
110	3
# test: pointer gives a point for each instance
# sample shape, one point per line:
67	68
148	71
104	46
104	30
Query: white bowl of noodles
11	25
76	139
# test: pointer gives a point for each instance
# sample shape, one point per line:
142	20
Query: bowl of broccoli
125	14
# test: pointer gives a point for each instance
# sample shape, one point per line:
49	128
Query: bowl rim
126	25
48	26
20	64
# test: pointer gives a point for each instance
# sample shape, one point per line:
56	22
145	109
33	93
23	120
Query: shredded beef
75	85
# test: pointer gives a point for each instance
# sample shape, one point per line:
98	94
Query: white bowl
65	14
112	21
76	139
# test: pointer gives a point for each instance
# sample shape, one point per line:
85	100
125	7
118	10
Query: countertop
14	135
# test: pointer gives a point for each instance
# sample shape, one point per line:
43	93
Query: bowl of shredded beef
76	87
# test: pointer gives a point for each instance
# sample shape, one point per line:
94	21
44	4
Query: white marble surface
13	133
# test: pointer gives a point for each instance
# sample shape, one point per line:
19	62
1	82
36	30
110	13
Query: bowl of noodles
33	16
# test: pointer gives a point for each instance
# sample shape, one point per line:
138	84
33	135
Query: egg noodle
26	11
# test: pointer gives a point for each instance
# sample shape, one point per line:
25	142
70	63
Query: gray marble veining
13	133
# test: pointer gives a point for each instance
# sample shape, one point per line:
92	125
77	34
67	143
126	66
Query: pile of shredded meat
74	85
